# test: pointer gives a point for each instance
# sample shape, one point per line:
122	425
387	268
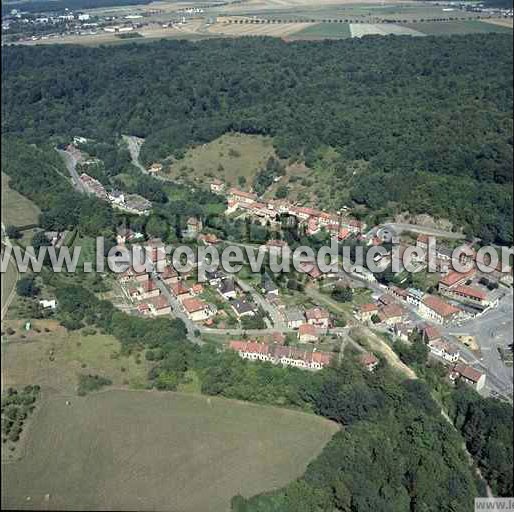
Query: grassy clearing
54	359
457	27
227	158
17	209
140	450
325	30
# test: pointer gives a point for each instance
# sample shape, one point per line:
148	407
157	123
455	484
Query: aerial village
262	318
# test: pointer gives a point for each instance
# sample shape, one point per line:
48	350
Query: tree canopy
432	118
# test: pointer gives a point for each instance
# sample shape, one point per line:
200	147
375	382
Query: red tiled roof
452	278
179	289
241	193
308	211
423	239
441	307
307	329
368	308
148	286
322	358
343	233
250	346
278	337
467	372
391	311
317	314
468	291
193	305
168	273
160	302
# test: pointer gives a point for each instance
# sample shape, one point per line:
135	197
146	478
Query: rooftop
440	307
307	329
473	293
317	314
193	305
467	372
453	277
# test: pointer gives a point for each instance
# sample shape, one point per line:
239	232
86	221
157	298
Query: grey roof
294	315
227	286
243	307
269	285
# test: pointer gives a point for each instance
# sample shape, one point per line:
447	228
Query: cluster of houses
228	290
310	324
278	354
392	314
131	203
142	290
314	220
389	311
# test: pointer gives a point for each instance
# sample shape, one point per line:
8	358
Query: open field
372	10
382	29
29	360
136	450
250	29
502	22
457	27
226	158
17	209
325	31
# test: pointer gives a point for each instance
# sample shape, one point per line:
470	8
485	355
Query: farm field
252	29
226	158
140	450
319	11
17	209
28	360
457	27
509	23
366	29
325	31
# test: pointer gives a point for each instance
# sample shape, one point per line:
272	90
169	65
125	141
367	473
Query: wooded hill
431	116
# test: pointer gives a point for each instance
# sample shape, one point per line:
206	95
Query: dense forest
432	117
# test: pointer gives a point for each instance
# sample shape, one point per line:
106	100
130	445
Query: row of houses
293	356
315	220
278	354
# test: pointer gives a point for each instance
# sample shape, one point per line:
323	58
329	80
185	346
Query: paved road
399	228
178	310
